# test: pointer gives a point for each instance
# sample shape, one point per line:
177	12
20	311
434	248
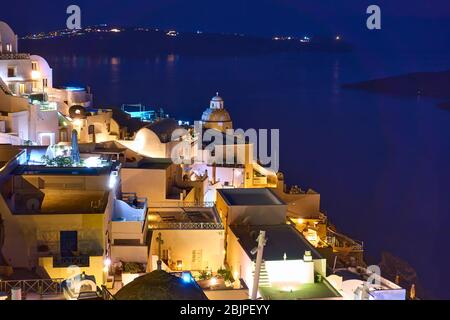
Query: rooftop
149	163
281	239
312	291
250	197
60	202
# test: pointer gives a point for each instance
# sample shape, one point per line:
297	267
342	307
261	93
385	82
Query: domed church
216	117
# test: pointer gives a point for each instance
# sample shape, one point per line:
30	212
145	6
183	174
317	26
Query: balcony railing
65	262
14	56
42	286
180	204
185	226
340	241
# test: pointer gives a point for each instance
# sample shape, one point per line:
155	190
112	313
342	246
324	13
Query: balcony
65	262
187	216
14	56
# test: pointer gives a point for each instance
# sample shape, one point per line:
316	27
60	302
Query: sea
380	162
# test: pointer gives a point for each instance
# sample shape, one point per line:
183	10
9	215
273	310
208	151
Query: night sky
411	22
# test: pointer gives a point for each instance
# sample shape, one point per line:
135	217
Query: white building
24	74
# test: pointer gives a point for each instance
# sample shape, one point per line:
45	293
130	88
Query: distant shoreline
132	43
419	84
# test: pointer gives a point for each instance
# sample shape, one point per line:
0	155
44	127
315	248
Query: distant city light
172	33
338	38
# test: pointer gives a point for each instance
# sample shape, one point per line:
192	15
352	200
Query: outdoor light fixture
187	278
107	262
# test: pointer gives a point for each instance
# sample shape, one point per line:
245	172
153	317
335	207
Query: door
68	243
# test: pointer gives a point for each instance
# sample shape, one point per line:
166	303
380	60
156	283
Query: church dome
216	116
217	98
160	285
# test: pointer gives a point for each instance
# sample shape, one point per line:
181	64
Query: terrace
185	216
250	197
58	202
311	291
14	56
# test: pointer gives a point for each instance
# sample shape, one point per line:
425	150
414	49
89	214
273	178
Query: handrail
185	226
39	286
180	204
14	56
346	238
106	294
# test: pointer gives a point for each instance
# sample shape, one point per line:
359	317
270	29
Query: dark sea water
381	163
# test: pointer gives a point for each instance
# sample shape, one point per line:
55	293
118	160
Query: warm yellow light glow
77	122
35	75
107	262
300	221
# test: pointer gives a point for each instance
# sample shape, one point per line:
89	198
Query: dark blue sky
403	22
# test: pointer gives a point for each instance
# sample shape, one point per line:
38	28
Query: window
34	65
45	83
11	72
21	88
68	243
9	47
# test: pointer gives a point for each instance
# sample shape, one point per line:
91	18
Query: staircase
264	280
4	88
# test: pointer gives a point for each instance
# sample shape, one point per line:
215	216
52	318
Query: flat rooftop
281	239
312	291
250	197
149	163
60	202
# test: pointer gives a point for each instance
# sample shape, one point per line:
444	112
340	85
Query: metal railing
342	241
42	287
180	204
14	56
185	226
106	294
65	262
